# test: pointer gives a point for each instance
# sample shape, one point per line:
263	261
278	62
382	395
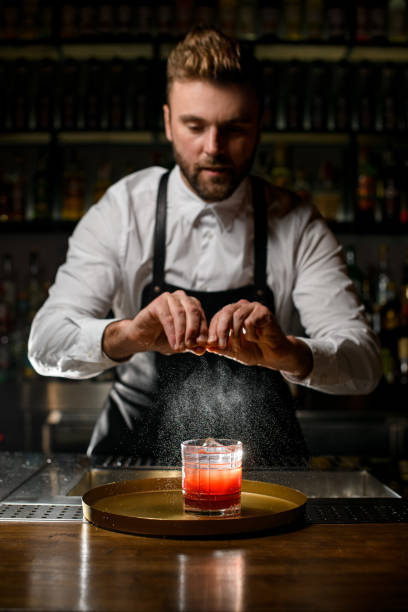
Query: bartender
209	272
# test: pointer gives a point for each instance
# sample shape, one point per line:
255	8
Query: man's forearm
300	359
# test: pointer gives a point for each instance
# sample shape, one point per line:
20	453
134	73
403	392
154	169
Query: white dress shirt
209	247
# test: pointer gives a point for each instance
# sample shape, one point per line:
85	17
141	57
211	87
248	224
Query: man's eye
195	128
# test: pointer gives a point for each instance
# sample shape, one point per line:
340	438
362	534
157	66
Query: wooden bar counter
330	568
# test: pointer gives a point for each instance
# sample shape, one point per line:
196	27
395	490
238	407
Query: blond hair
209	55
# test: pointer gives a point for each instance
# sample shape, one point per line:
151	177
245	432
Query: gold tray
154	506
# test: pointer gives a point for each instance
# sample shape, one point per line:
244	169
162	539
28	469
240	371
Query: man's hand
172	323
248	332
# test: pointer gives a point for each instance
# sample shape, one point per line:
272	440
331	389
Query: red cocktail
212	476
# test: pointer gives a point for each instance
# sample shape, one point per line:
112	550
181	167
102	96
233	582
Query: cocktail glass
212	476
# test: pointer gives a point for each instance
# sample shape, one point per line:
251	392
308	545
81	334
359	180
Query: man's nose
213	141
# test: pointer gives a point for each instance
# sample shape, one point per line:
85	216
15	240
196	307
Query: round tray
154	506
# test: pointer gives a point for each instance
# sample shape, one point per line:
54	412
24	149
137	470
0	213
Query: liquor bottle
227	11
391	192
69	21
35	289
397	21
69	97
164	16
105	19
141	107
314	20
143	16
124	18
87	15
315	109
117	94
292	20
293	89
366	189
337	21
46	20
103	180
389	116
8	291
21	101
42	189
45	97
204	12
404	294
184	12
354	271
362	27
94	107
364	105
17	190
280	174
326	194
403	361
73	191
9	27
301	185
378	20
269	18
338	112
269	77
29	26
247	27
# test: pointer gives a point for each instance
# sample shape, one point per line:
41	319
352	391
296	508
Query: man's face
214	130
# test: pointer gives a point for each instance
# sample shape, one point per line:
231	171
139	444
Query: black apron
204	396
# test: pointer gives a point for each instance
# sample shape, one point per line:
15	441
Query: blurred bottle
35	286
69	21
9	26
164	25
247	22
124	19
17	189
68	106
280	174
366	189
397	21
390	189
364	103
361	16
315	107
227	12
21	96
105	20
45	95
103	180
301	185
184	16
142	19
403	361
326	193
269	18
337	21
73	190
8	293
354	271
42	189
270	75
404	294
94	99
205	12
292	21
314	20
30	23
293	95
378	20
117	94
338	113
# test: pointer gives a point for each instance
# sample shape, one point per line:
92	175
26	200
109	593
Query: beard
213	188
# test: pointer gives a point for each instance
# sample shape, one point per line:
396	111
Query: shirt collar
191	206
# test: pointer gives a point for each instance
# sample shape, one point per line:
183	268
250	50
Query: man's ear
167	126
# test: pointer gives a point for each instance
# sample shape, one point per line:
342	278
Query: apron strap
260	235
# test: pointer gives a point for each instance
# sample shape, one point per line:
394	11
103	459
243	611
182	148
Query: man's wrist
116	343
302	361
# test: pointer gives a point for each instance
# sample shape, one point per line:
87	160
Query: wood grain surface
330	568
